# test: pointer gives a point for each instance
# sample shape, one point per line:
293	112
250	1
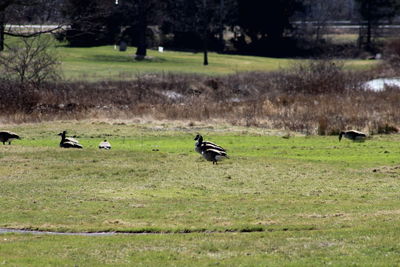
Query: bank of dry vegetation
318	97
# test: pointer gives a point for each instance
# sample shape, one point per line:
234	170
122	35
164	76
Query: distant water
379	84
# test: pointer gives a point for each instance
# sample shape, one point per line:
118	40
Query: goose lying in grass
353	135
105	145
201	145
6	136
214	155
68	142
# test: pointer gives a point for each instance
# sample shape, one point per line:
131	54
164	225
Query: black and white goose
214	155
352	135
6	136
201	145
209	150
105	145
68	142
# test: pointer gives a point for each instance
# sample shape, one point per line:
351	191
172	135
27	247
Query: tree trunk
141	51
205	50
2	28
369	34
205	33
369	26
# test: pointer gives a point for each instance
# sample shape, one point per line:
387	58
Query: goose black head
63	135
199	139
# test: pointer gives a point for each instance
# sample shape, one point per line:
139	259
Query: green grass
343	247
106	63
316	201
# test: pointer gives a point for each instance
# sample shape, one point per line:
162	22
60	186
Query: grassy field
107	63
104	62
277	201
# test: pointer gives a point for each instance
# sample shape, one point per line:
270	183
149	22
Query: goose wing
72	140
356	132
68	144
210	145
215	152
214	155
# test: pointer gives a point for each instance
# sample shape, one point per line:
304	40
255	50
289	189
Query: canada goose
214	155
352	135
69	142
105	145
201	145
6	136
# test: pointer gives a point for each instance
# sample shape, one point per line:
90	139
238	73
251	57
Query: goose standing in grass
209	150
352	135
214	155
6	136
68	142
105	145
201	145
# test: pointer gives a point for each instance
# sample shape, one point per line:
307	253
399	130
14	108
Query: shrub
387	129
392	53
314	77
30	60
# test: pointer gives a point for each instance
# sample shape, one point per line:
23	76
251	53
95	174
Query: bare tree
318	14
374	13
30	60
199	22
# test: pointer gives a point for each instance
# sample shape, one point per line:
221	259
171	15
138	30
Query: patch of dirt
322	215
387	169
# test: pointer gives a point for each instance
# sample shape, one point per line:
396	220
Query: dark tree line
186	24
246	26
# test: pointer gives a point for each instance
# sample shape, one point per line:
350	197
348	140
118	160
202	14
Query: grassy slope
318	200
106	63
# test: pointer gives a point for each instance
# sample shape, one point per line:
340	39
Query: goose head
199	139
63	134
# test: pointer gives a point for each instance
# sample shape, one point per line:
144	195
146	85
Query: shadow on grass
123	58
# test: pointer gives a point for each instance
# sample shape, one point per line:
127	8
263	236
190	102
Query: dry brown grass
313	98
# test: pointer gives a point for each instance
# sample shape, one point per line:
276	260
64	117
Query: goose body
352	135
201	145
214	155
6	136
69	142
105	145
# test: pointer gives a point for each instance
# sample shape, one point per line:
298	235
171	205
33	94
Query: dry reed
313	98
